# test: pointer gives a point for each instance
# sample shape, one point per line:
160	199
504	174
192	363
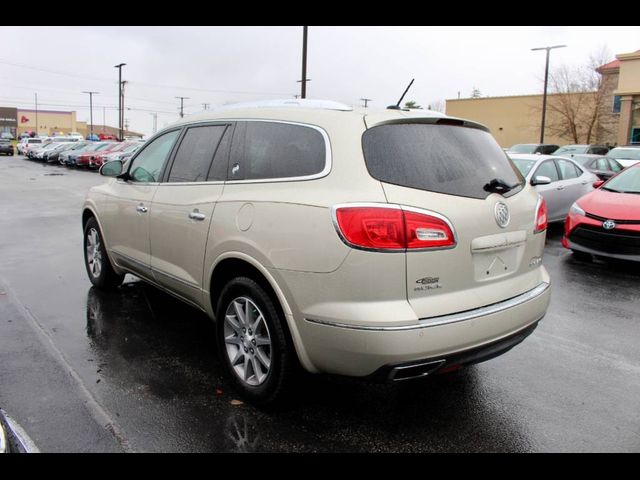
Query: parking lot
136	370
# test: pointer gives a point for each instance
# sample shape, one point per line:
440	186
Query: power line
137	82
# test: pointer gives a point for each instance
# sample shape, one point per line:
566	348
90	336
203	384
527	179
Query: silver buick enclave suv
387	245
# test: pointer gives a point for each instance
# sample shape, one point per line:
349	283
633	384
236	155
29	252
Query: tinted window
548	149
277	150
568	170
146	167
615	166
439	158
548	169
599	150
193	158
602	164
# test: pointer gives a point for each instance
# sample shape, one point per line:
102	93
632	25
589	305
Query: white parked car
26	143
626	156
387	245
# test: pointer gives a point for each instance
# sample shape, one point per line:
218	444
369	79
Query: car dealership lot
136	370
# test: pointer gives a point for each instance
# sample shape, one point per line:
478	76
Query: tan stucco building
49	122
516	119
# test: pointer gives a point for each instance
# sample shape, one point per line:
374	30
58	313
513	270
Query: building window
616	104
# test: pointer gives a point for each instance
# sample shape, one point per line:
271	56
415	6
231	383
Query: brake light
541	216
392	228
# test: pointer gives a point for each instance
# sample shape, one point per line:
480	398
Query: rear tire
582	256
96	260
252	343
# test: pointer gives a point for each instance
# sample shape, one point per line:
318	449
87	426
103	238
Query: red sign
23	119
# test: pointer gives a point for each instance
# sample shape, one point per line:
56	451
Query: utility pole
37	129
91	108
104	116
546	79
366	101
205	106
303	91
124	83
182	99
155	122
119	67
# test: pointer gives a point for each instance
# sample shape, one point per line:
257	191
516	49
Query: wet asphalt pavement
136	370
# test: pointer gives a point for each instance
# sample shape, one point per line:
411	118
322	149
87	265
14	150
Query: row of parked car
586	155
596	196
78	153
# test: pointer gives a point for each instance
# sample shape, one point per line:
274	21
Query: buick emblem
608	224
501	212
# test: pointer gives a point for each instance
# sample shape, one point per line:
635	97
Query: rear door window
615	166
602	164
449	159
568	170
195	153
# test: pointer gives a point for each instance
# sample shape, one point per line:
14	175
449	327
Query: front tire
253	344
96	260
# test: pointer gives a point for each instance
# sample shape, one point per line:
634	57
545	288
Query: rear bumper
430	366
463	337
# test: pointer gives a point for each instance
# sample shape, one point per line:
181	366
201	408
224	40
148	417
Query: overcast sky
218	65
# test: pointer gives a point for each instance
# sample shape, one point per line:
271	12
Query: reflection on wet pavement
147	343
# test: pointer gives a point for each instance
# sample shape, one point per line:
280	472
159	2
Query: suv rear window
454	160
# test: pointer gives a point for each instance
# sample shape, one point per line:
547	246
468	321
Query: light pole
119	67
182	99
91	94
546	80
37	129
366	101
303	91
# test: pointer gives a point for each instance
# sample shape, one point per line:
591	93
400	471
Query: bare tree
577	100
476	93
438	105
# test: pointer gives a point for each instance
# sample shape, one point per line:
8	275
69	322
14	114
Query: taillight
392	228
541	216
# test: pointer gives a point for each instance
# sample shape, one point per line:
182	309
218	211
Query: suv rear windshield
454	160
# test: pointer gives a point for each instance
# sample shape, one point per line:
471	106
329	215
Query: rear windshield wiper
497	185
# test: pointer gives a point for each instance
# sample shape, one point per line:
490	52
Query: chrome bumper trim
450	318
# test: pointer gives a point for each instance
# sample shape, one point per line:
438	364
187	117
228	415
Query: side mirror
540	180
111	169
598	183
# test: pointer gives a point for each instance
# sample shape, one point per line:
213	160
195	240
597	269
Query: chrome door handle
141	208
196	215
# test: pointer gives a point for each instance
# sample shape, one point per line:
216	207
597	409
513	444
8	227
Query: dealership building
51	122
44	122
517	119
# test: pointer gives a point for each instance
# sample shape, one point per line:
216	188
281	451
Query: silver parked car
560	181
387	244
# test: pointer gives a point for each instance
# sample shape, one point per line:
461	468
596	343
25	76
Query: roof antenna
397	105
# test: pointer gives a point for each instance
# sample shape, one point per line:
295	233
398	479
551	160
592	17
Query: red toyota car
606	221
